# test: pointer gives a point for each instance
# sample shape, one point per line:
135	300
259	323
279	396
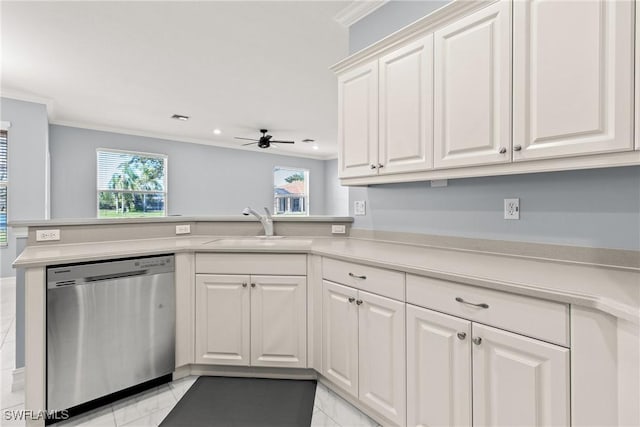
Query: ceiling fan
265	140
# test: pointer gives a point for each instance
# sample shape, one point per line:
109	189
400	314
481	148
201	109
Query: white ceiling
233	65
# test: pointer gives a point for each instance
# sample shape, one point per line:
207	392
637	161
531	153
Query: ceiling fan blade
251	143
284	142
248	139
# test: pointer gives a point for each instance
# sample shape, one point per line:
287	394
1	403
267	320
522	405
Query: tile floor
146	409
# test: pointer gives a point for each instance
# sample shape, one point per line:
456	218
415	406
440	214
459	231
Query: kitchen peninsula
565	317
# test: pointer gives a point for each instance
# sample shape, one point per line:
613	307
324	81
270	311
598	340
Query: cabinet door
381	359
518	381
473	89
438	369
573	82
222	319
340	336
278	321
358	121
406	112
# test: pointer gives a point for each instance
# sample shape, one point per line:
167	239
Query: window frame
165	192
307	195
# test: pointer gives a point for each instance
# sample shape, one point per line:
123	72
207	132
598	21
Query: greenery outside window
3	188
131	184
290	191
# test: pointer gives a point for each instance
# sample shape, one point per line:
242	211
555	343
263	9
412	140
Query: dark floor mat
244	402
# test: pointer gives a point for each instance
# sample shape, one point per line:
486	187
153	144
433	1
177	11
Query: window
3	188
290	191
131	184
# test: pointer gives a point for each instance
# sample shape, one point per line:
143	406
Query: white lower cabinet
454	365
364	348
251	320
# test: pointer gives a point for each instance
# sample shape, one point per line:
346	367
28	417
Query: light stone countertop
615	290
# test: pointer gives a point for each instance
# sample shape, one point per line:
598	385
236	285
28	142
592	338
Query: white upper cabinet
358	121
406	112
472	104
573	77
518	381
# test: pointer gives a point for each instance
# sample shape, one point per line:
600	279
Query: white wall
27	168
336	196
202	180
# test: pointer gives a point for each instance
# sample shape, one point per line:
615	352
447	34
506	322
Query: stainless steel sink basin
259	242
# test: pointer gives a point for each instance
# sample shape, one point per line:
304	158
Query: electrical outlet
511	208
359	207
338	229
183	229
47	235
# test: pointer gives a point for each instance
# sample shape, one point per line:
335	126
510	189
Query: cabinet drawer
532	317
279	264
376	280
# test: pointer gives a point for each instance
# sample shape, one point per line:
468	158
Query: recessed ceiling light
180	117
217	131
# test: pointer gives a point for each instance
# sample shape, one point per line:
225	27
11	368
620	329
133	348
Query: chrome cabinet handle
244	285
462	335
517	148
359	302
503	150
477	340
351	299
482	305
373	166
355	276
380	165
253	285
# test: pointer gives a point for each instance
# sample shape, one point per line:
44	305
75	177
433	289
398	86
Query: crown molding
357	10
28	97
171	138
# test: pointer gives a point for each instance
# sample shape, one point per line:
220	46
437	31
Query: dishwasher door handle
114	276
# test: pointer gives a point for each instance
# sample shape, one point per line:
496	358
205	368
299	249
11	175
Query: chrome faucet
266	220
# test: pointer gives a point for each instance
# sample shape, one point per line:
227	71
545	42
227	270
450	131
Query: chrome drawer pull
462	335
483	305
356	276
477	341
351	299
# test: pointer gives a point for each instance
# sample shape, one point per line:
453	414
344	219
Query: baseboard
17	380
254	372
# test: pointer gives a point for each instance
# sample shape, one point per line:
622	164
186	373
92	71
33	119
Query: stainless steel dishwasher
110	326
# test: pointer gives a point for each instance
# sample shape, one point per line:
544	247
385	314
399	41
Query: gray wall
27	168
595	208
203	180
336	197
388	19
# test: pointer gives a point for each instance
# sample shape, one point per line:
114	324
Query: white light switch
359	207
47	235
183	229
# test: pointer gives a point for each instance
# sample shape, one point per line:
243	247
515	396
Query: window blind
3	188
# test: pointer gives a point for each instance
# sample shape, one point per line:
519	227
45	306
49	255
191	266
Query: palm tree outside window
131	184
